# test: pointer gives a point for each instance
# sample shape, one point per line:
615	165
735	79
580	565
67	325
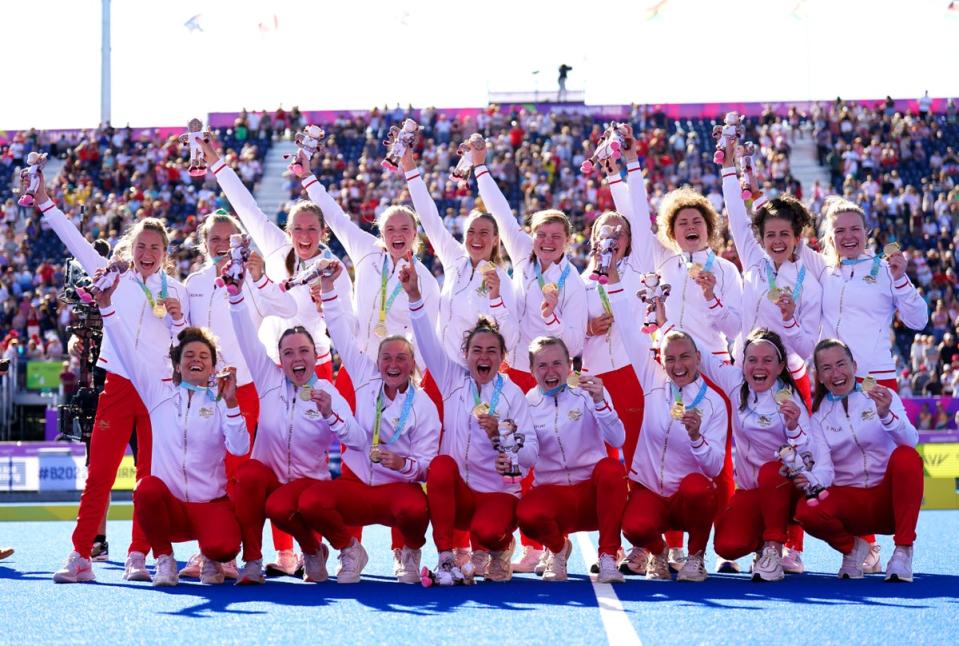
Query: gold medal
379	330
306	392
783	395
891	248
375	454
868	384
489	266
481	408
774	294
573	380
550	288
694	269
159	310
677	410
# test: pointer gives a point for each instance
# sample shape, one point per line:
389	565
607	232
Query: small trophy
309	141
611	146
398	141
30	178
462	170
509	442
232	276
195	132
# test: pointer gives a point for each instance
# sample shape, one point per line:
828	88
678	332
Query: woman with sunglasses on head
768	414
383	467
300	416
681	449
466	485
550	295
878	480
196	421
157	308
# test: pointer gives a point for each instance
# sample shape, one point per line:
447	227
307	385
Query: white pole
105	64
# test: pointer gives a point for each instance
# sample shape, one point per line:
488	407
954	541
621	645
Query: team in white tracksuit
292	447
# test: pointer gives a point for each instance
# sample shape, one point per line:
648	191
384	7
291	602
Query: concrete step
272	192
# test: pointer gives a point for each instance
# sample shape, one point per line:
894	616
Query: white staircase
272	191
805	166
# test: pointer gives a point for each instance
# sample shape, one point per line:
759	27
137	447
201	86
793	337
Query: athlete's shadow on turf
379	593
810	588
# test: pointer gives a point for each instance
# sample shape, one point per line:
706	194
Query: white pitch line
619	629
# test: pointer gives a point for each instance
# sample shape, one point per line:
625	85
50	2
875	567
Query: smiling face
836	370
690	231
551	366
395	362
149	252
484	354
481	238
761	366
849	234
779	239
218	238
681	361
398	232
549	242
297	357
196	363
306	232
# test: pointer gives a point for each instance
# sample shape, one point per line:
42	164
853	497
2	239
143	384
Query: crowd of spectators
902	168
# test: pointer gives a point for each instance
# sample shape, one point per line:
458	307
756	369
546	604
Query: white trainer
657	568
352	561
540	568
677	558
229	570
852	562
251	573
556	564
500	567
211	573
635	561
76	569
899	567
527	562
193	566
693	570
165	573
410	562
769	567
873	563
314	565
725	566
285	564
792	561
136	568
608	571
462	556
480	560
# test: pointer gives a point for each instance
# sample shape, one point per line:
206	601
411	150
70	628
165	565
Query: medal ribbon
407	407
562	277
149	294
873	271
387	303
838	398
552	392
309	383
678	395
494	400
198	389
771	279
604	299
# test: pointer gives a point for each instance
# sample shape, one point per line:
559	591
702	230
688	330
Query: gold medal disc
159	310
782	396
375	454
891	248
694	269
380	330
868	384
550	288
573	380
677	410
306	392
480	409
774	294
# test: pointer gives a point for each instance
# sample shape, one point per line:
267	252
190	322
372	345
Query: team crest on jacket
206	412
311	413
575	414
868	414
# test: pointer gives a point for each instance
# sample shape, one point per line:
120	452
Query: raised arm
572	326
645	245
912	308
266	297
338	323
72	239
518	243
637	345
727	376
355	240
740	225
446	246
261	366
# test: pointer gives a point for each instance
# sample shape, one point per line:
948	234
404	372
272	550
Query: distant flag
654	10
193	24
268	26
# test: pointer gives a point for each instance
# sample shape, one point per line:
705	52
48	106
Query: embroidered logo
764	421
312	413
575	414
868	414
206	412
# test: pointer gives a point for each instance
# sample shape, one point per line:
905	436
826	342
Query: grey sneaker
852	562
693	570
352	561
899	567
769	567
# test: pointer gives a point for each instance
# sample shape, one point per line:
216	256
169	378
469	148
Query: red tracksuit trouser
526	382
258	495
691	509
891	507
754	516
118	411
548	513
488	519
167	520
333	507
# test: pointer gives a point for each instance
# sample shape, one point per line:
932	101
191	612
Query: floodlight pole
105	63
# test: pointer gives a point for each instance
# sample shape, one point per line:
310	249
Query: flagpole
105	63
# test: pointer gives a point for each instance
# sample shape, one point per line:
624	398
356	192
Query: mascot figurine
232	276
195	132
309	141
30	178
398	141
606	244
796	462
652	293
730	132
